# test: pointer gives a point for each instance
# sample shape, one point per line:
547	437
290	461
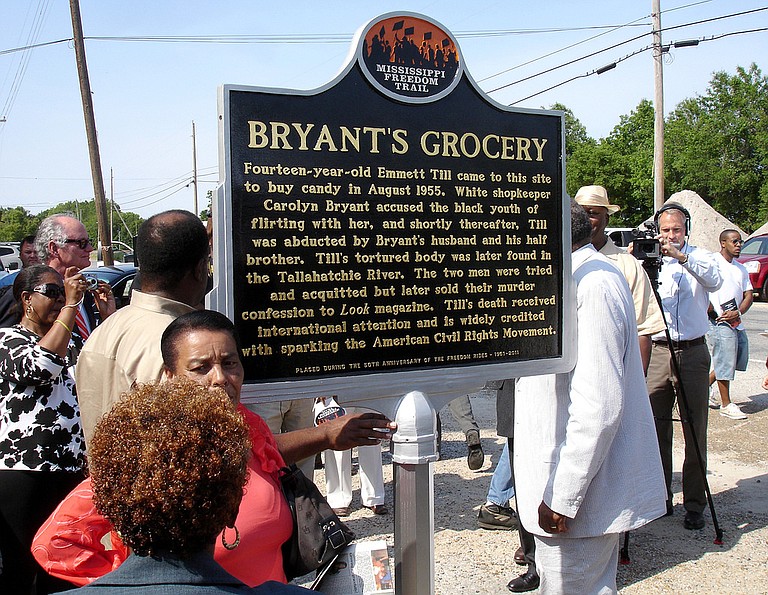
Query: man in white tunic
586	463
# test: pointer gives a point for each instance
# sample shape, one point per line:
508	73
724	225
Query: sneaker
732	410
714	396
495	517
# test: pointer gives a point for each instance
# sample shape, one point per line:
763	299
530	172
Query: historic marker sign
396	221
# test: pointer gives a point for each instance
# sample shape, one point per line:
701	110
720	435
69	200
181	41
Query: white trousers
584	565
338	476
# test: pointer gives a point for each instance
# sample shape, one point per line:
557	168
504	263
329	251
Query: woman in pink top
202	346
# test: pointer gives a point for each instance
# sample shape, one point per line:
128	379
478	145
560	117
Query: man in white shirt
730	349
585	461
686	278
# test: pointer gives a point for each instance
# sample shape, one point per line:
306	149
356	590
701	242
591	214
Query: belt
682	344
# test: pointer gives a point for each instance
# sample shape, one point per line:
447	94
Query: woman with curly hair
168	466
202	347
41	440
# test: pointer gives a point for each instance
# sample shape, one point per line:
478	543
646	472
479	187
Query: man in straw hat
594	200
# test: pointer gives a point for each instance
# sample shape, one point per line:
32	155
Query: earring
230	546
29	310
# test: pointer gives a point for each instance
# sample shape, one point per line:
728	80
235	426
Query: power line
595	53
611	28
184	177
613	64
24	48
559	66
286	39
34	32
568	47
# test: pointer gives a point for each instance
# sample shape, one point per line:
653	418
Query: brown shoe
378	508
340	512
520	557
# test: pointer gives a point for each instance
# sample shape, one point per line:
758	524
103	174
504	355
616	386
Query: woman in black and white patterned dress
42	450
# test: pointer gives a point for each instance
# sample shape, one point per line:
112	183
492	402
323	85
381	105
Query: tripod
652	267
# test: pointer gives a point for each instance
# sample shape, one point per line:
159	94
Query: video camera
645	246
647	249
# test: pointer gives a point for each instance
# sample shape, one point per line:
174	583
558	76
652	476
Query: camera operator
594	200
686	277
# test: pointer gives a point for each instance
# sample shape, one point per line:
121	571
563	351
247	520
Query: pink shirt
265	523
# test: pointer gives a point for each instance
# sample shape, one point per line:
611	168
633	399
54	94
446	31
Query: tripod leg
624	551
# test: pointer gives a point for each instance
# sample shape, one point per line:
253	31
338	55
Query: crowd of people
603	471
49	421
181	485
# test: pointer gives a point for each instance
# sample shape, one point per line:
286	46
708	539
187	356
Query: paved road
756	322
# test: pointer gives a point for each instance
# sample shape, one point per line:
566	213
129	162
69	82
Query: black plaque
396	220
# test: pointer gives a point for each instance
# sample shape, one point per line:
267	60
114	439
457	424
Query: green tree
575	132
581	150
630	162
717	145
622	163
15	223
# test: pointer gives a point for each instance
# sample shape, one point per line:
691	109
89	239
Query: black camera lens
91	282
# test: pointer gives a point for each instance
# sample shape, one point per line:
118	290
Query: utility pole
194	166
111	200
105	234
658	108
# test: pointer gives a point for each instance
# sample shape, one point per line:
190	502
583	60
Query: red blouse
78	544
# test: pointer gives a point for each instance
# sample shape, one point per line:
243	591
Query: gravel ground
664	557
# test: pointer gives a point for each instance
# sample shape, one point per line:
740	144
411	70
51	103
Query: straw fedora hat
595	196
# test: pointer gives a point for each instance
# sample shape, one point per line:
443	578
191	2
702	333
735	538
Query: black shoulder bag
318	533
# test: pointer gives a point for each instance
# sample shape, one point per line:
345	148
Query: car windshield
752	247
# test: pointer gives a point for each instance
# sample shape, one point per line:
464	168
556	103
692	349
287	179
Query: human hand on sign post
341	433
357	429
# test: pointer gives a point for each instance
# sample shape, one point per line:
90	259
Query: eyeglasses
50	290
82	244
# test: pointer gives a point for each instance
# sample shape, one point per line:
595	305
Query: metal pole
194	165
658	109
111	200
414	529
414	449
105	234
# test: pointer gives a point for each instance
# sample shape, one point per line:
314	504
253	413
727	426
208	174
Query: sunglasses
82	244
50	290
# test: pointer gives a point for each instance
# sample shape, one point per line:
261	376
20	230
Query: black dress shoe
525	582
693	520
475	455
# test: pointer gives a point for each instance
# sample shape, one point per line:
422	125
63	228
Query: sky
147	93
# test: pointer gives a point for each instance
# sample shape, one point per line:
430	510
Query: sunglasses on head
50	290
82	244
